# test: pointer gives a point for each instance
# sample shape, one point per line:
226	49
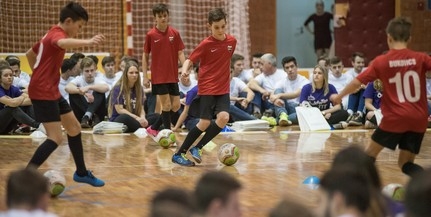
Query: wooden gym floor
272	164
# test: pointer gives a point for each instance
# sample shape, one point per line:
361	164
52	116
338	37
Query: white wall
291	41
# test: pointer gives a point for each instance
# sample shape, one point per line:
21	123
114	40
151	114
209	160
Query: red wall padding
365	29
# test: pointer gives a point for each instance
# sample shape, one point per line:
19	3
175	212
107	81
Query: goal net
24	22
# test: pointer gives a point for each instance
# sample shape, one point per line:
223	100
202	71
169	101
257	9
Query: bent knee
223	117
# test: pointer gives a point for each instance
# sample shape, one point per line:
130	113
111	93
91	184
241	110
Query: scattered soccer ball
228	154
57	182
394	191
166	138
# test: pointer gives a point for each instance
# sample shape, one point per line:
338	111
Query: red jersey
404	101
164	48
214	64
46	71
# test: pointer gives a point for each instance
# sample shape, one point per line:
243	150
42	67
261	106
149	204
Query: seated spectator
287	92
87	95
339	79
68	73
418	195
256	64
172	202
190	113
11	98
355	105
372	94
241	95
344	192
217	194
27	194
290	208
264	84
237	64
355	158
108	64
22	79
317	94
126	103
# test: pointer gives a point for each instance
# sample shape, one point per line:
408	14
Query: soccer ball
228	154
394	191
166	138
56	181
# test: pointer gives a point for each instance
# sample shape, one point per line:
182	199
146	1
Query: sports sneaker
96	120
341	125
283	120
196	154
182	160
257	115
268	113
369	125
41	128
89	179
22	129
356	120
85	122
152	132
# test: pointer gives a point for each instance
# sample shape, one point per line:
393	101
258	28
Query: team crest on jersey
229	48
171	38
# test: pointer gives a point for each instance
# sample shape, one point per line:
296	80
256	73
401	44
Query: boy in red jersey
166	47
213	54
50	108
404	104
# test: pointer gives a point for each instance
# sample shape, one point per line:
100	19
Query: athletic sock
42	153
166	119
190	139
75	146
174	117
410	168
212	131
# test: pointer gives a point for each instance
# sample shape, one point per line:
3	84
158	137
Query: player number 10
402	84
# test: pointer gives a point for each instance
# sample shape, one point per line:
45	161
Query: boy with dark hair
50	108
27	194
418	195
214	54
166	48
217	194
404	104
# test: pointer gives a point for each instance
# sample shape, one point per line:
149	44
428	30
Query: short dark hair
235	57
352	185
257	55
216	15
94	58
77	56
357	54
68	64
3	67
335	60
214	185
73	10
107	59
160	8
418	194
25	187
399	29
8	57
14	62
289	59
172	201
87	62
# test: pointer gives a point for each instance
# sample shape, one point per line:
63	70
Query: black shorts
162	89
211	105
50	110
409	141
